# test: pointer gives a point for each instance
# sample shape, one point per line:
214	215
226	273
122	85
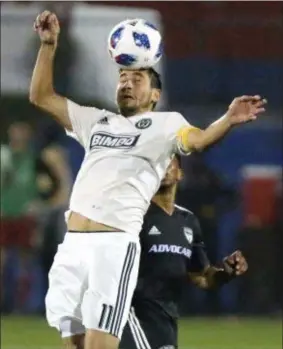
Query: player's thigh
74	342
113	272
67	283
96	339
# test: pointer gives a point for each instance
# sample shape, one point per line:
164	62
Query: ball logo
143	124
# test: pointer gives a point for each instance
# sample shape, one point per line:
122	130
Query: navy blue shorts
147	331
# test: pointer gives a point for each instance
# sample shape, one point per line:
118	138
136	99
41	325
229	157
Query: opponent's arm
42	92
242	110
211	276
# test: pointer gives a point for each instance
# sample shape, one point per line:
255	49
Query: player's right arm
42	93
76	119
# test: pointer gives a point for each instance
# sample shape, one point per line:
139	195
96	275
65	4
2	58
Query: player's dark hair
155	81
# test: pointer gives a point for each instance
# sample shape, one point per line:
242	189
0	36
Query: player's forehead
127	73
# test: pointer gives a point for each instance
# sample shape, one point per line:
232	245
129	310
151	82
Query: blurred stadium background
214	51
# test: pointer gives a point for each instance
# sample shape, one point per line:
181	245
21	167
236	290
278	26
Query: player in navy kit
173	251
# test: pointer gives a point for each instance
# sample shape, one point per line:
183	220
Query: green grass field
195	333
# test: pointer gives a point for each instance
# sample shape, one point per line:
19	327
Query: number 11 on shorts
105	319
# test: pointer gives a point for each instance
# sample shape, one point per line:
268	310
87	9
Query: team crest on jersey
143	124
188	232
101	140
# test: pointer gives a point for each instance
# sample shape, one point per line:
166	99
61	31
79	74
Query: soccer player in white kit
94	273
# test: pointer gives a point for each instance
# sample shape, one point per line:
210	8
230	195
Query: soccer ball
135	44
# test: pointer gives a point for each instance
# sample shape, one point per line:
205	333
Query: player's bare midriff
79	223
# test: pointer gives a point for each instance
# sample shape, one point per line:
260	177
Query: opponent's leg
128	339
138	333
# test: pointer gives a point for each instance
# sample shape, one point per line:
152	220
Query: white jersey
125	161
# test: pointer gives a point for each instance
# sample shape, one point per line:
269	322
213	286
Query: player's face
173	174
134	92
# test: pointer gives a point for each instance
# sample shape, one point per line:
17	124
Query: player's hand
245	109
235	264
48	28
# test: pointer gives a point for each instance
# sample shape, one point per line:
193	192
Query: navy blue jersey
172	246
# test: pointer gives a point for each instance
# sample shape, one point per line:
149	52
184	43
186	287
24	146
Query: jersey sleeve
199	259
82	120
174	123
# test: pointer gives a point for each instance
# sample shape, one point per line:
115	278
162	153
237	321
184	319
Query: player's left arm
242	110
212	276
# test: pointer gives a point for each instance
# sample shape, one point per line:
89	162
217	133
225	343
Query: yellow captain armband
183	135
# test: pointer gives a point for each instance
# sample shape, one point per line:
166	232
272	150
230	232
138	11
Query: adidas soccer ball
135	44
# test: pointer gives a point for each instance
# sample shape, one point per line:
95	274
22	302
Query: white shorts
92	281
